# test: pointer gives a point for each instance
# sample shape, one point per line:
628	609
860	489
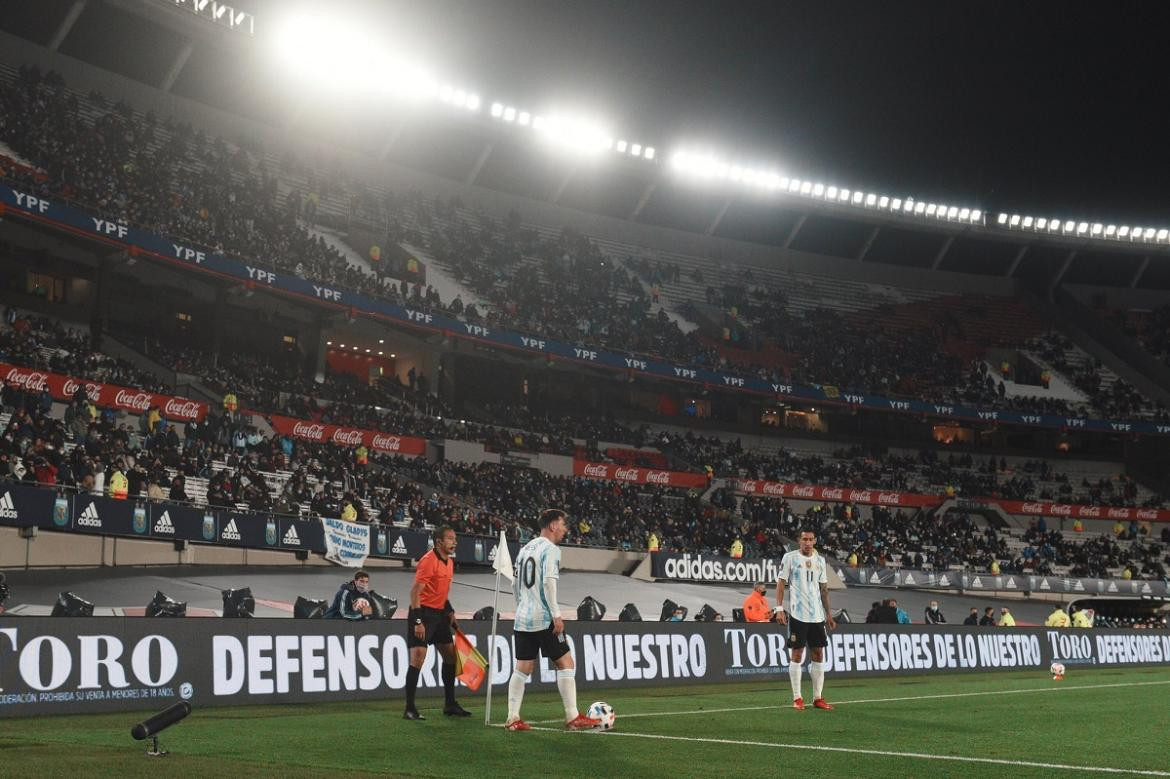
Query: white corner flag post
502	566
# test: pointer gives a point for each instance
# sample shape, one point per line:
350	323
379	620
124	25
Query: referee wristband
415	616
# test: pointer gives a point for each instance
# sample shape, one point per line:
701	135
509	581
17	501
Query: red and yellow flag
470	665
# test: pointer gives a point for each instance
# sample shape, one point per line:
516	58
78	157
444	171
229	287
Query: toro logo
182	409
626	474
347	437
32	381
312	432
1089	511
138	401
1032	508
776	488
802	491
596	471
657	477
861	496
889	498
833	493
389	443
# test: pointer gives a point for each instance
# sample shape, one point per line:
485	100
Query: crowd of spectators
227	197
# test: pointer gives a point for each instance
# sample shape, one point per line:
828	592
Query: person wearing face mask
345	602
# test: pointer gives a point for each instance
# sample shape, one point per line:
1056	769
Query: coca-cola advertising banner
104	395
321	433
632	475
776	489
1039	508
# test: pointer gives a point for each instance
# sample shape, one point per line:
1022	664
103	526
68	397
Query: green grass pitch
1106	722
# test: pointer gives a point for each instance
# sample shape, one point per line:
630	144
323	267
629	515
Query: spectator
973	617
988	617
1006	620
1058	619
755	605
933	616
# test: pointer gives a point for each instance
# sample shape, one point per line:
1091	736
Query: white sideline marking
886	700
884	753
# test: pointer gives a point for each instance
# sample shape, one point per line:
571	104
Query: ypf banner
104	395
66	666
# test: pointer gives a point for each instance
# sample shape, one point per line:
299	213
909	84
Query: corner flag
470	665
503	563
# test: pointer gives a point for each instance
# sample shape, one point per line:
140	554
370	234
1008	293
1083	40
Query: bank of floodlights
574	133
1077	229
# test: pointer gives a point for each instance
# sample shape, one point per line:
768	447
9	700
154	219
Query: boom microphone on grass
150	728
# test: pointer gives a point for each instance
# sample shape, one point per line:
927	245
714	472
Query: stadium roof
977	109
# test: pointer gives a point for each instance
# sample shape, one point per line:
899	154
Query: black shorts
437	625
545	642
810	634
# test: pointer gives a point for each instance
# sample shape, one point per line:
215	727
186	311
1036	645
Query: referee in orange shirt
432	621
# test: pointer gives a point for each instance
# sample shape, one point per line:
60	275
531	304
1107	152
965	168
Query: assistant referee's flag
470	665
503	563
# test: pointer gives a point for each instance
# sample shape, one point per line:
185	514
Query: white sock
817	672
567	684
794	676
516	695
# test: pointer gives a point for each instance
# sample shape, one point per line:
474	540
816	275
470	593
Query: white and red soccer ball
603	713
1057	669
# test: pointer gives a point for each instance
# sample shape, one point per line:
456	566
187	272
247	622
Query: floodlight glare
1110	231
952	212
636	149
773	181
1027	223
523	118
621	146
459	98
1123	232
896	204
1001	219
976	215
931	208
858	197
723	171
1041	223
964	214
735	173
908	206
818	190
806	188
541	124
1097	228
1053	225
794	185
446	93
1148	234
497	110
509	114
1082	228
1163	234
1069	226
920	208
831	193
844	196
870	200
883	202
473	102
648	152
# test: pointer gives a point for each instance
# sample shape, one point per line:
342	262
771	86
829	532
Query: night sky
1042	107
1047	108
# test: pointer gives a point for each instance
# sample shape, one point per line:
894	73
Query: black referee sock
411	685
449	682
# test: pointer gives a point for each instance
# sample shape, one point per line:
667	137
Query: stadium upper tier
777	325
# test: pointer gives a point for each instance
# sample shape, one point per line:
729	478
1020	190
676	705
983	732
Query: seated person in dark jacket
351	600
886	614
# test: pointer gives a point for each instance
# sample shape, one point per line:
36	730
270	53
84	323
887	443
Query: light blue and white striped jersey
803	578
538	559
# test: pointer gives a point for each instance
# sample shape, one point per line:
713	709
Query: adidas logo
399	546
291	538
163	526
7	509
231	532
909	579
977	582
89	517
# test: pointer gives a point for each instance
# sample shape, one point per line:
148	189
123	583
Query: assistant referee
432	621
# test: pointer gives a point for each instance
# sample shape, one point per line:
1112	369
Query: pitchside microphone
159	722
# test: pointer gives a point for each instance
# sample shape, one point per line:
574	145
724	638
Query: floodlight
735	173
509	114
883	202
1082	228
1001	219
818	190
1149	234
1123	232
723	171
1110	231
773	181
919	208
844	196
636	149
473	102
459	98
908	206
964	214
1053	225
870	200
540	123
806	188
1027	223
952	212
931	208
794	185
976	215
497	110
1163	234
621	146
648	152
857	198
1069	226
1096	229
896	204
1041	223
446	93
523	118
831	193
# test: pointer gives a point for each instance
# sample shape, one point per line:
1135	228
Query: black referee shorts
545	642
437	626
810	634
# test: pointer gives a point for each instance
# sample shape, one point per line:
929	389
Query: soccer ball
1057	670
361	604
602	712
